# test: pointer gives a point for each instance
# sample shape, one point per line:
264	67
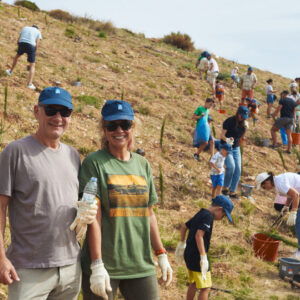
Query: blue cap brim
118	117
56	101
244	116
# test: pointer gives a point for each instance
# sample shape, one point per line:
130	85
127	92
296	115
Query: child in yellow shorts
197	244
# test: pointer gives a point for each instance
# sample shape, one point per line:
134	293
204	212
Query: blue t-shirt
202	220
29	35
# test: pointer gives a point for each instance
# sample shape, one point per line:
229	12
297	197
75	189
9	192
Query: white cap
261	178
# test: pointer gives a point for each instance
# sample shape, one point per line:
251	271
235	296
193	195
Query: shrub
224	76
70	33
61	15
90	100
102	34
107	27
179	40
28	4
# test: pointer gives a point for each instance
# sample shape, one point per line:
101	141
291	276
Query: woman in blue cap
233	133
117	251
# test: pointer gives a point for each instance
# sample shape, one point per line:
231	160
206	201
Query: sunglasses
51	111
124	124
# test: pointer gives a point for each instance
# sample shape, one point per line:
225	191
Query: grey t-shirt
42	184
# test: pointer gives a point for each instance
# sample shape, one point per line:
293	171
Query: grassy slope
159	81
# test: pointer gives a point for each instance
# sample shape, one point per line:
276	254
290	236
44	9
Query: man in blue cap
39	185
248	82
196	246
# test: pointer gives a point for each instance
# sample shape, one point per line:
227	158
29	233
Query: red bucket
265	247
222	111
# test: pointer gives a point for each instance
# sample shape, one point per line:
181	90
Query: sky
260	33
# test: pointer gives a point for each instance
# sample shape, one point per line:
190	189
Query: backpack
219	89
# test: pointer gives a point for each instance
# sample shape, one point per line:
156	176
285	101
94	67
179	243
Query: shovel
292	282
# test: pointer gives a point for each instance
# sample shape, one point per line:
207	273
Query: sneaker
196	156
274	146
234	196
31	86
288	152
225	192
8	72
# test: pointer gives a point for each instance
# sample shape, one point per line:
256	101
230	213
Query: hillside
160	82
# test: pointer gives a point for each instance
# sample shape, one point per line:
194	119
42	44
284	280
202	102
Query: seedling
161	185
162	132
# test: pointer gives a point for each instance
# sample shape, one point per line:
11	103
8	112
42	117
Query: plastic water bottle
90	190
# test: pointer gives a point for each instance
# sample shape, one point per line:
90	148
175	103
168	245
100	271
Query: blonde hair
104	141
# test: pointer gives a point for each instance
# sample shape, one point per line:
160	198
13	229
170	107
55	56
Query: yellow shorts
197	278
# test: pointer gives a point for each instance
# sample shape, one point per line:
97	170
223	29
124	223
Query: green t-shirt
125	190
199	111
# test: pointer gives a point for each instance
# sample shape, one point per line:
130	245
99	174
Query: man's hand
99	281
165	267
86	214
179	252
291	221
8	273
204	266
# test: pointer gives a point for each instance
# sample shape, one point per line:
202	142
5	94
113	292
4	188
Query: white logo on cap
57	91
120	107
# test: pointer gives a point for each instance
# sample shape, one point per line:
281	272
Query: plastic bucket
265	142
222	111
288	267
265	247
246	189
296	138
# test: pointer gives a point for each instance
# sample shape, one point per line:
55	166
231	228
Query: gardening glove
204	266
165	267
284	210
99	281
179	252
230	141
291	221
86	214
246	124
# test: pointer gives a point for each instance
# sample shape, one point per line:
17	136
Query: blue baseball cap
226	147
117	110
55	95
250	69
225	203
248	99
243	111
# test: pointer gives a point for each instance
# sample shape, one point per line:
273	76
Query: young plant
213	130
161	185
5	102
162	130
282	159
297	154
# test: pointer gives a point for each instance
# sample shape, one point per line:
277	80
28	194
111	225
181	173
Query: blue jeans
233	163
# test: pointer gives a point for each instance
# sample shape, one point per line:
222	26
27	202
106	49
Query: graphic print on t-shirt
128	195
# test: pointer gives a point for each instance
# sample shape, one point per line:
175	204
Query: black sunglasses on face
124	124
51	111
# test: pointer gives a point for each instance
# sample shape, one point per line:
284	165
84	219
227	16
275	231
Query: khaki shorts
287	123
60	283
211	77
197	278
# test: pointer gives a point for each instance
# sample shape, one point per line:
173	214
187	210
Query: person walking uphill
202	62
39	184
212	73
28	42
117	251
287	107
248	82
196	247
233	133
286	184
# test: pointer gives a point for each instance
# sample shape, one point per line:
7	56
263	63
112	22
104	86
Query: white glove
230	141
292	218
246	124
86	214
179	252
284	210
99	281
165	267
204	266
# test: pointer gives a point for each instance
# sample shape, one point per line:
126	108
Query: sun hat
226	147
261	178
250	69
55	95
117	110
243	111
225	203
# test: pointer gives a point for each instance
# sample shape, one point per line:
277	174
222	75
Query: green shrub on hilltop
61	15
179	40
27	4
223	76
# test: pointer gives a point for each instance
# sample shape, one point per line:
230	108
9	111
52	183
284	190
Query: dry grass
137	63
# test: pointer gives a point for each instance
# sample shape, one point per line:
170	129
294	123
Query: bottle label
88	198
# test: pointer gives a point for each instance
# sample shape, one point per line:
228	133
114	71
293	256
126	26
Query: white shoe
296	255
31	86
8	72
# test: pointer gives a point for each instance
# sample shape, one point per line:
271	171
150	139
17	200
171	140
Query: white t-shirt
215	67
29	35
217	159
233	72
269	89
285	181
